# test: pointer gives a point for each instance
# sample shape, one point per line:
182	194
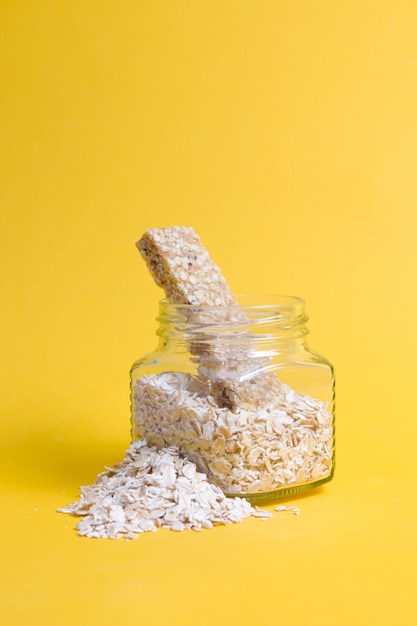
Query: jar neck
262	325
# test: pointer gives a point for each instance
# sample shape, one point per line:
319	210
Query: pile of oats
153	489
269	441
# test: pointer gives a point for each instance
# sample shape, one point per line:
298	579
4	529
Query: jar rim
255	308
251	300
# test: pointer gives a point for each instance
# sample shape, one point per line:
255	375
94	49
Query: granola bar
181	265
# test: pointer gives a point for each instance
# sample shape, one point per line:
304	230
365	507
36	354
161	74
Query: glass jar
240	393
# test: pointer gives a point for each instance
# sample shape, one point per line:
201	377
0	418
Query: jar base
264	497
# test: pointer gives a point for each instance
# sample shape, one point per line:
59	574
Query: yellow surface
286	134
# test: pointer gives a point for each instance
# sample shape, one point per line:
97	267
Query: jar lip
250	309
250	301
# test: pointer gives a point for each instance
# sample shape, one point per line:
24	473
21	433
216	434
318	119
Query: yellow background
286	134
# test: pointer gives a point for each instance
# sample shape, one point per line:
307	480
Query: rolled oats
153	489
243	451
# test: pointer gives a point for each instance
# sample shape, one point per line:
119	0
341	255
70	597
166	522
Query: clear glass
240	393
